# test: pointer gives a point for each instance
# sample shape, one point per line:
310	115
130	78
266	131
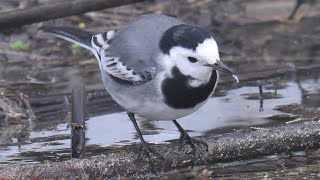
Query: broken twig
78	121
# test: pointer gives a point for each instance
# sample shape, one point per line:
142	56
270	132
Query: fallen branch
52	11
238	145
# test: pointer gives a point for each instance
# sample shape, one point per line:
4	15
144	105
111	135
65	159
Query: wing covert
114	64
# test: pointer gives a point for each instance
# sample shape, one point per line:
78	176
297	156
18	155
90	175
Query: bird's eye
192	59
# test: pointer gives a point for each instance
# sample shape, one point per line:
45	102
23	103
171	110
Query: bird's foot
196	145
150	154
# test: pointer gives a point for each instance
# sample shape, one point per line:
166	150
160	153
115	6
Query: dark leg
186	139
134	122
146	150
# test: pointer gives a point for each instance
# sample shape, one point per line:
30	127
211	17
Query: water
234	106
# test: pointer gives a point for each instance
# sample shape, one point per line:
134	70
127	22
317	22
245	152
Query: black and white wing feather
114	65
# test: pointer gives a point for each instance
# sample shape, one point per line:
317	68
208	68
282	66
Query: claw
185	139
148	152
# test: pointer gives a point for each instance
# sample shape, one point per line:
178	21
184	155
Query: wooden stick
21	17
78	121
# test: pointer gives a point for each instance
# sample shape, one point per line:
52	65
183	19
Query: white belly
153	110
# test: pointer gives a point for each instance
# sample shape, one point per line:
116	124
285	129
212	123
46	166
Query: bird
156	67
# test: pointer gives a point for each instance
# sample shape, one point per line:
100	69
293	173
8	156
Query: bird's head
193	51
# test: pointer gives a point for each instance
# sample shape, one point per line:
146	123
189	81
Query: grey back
137	44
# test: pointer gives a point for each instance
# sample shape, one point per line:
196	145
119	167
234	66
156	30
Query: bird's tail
77	36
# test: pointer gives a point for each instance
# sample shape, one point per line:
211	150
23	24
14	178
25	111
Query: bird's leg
146	150
186	139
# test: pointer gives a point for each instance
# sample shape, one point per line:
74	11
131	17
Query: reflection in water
310	90
261	95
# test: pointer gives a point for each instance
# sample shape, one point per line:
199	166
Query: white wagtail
156	67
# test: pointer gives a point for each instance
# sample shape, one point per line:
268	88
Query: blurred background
274	45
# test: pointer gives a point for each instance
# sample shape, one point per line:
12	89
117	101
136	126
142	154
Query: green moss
19	45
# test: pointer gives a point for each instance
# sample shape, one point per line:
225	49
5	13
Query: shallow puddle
233	107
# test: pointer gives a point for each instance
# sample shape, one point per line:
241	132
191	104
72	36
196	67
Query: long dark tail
78	36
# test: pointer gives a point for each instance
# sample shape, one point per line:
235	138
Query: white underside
153	108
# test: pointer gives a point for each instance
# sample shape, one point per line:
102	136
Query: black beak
223	68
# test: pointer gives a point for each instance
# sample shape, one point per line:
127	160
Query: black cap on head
183	35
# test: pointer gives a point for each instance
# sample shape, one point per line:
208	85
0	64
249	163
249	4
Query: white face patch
178	57
208	51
